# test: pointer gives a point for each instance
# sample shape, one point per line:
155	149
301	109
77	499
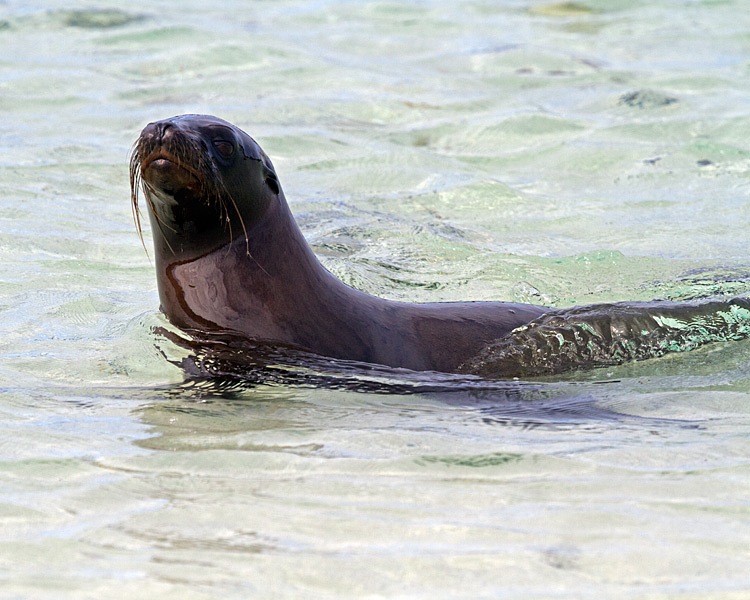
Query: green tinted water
551	153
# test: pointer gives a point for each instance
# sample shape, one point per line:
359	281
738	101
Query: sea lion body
282	294
231	261
231	258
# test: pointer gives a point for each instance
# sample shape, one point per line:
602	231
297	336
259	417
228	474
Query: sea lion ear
271	180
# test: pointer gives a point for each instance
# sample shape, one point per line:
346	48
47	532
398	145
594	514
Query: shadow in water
230	369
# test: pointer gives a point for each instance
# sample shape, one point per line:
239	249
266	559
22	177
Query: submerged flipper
610	334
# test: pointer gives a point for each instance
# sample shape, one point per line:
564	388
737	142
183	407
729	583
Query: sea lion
231	260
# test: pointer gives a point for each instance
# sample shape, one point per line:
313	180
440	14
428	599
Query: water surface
431	151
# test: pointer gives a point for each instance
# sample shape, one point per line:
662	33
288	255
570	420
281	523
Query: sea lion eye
225	148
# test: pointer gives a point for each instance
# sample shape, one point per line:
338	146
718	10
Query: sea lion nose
159	131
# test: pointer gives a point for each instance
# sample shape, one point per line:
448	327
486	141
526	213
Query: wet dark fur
282	296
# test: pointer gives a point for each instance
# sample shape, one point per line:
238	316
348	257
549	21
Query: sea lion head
205	181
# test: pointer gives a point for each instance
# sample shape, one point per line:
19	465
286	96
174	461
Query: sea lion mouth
165	172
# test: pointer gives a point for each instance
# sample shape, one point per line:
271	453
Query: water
560	154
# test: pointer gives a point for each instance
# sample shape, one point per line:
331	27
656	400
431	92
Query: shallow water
549	153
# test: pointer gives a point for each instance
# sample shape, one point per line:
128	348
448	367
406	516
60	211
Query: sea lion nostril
166	130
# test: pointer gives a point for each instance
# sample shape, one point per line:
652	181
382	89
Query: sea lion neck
253	284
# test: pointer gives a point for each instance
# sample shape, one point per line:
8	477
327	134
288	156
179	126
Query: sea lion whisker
242	224
223	195
159	222
216	192
150	204
135	183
